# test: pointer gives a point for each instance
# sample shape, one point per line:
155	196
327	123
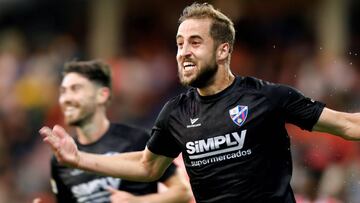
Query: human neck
93	130
222	80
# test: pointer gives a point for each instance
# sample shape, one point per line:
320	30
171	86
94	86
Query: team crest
239	114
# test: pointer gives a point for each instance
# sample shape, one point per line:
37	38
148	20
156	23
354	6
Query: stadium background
313	45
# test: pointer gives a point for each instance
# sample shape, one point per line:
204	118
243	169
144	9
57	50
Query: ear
223	51
103	95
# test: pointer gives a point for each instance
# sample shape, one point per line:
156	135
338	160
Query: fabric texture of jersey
74	185
234	144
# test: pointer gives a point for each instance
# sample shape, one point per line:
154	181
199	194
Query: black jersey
74	185
234	144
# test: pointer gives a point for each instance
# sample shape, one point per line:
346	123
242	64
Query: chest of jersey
84	186
232	127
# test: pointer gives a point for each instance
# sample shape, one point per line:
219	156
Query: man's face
196	53
77	99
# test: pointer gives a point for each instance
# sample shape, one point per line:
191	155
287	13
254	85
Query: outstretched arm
345	125
142	166
177	191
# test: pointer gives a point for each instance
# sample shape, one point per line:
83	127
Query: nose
64	98
184	51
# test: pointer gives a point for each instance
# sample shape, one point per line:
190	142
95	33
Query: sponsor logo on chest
216	149
95	189
215	145
221	147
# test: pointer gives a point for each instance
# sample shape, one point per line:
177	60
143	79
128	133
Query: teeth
69	110
187	68
188	64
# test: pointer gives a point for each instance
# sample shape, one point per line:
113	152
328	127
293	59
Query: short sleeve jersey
74	185
234	144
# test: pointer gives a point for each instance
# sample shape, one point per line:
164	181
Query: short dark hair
95	70
222	29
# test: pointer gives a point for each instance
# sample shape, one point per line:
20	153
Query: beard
78	122
203	78
81	118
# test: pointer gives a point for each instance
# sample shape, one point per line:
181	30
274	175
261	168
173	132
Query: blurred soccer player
85	92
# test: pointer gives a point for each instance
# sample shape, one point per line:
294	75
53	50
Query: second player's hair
95	70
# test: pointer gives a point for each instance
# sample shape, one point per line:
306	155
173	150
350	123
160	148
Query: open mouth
188	66
69	110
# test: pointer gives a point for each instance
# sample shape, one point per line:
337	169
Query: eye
76	88
62	90
195	43
179	44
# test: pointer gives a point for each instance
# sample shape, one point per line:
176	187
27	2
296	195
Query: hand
37	200
62	144
118	196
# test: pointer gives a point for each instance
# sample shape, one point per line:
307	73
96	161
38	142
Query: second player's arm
177	191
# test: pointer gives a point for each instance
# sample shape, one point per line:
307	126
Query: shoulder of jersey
255	83
176	100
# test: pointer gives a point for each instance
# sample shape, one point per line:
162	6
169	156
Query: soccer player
230	129
85	92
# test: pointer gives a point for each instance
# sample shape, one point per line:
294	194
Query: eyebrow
191	37
72	85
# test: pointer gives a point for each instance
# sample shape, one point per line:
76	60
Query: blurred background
313	45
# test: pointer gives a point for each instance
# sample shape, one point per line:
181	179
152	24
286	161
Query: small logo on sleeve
239	114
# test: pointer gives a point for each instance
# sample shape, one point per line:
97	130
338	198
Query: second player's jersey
74	185
234	144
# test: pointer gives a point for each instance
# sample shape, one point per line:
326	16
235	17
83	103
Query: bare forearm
177	191
137	166
169	196
126	165
141	166
352	129
346	125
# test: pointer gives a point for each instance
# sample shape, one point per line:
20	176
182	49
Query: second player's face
196	53
77	99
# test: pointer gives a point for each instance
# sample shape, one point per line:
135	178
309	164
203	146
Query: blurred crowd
290	43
